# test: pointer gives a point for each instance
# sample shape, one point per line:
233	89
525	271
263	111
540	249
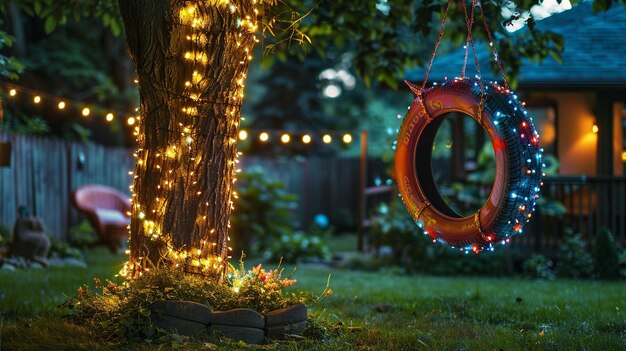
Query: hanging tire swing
515	143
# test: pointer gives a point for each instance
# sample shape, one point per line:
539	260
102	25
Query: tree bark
191	59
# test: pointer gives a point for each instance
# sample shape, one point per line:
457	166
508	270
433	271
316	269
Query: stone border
198	320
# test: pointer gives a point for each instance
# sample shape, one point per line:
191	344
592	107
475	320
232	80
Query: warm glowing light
86	111
37	99
130	121
594	128
327	139
264	136
61	105
306	138
285	138
109	117
624	156
347	138
243	135
12	92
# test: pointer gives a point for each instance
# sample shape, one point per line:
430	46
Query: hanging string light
62	103
286	137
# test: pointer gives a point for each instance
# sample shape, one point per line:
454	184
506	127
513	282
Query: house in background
579	109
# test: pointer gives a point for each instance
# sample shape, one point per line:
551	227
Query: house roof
594	53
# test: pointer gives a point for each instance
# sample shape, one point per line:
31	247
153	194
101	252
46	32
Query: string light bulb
109	117
264	137
37	99
327	139
61	105
285	138
594	128
12	92
86	111
243	135
130	121
306	138
347	138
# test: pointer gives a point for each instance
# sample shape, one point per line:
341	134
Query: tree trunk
191	59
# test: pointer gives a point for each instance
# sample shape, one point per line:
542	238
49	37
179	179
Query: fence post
361	193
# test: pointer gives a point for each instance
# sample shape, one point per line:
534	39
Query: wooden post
361	193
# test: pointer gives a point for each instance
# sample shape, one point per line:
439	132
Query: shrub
539	266
299	246
82	235
263	211
392	226
63	249
605	255
415	252
574	261
5	236
622	264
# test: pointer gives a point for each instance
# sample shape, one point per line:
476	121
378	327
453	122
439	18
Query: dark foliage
605	255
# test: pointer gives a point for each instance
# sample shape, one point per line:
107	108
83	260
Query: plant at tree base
573	259
539	266
605	255
123	310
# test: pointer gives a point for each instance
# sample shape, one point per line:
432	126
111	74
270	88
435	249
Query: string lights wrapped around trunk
516	146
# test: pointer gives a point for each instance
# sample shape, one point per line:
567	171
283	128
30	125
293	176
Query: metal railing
590	203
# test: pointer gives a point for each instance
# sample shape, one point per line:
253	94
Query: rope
469	41
470	23
421	209
493	47
432	58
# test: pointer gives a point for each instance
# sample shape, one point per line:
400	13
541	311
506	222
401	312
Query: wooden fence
323	185
44	172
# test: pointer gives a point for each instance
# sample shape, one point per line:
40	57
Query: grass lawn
378	311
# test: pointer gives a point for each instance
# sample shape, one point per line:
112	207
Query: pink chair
107	209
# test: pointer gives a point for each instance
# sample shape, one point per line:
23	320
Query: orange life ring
518	164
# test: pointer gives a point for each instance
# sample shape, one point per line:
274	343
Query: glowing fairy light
61	105
243	135
12	92
86	111
347	138
327	139
285	138
130	121
109	117
264	137
37	99
306	138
